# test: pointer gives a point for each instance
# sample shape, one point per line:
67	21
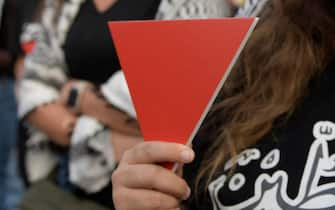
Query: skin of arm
125	130
96	106
92	103
55	120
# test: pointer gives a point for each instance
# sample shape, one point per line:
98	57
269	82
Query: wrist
75	96
86	102
91	103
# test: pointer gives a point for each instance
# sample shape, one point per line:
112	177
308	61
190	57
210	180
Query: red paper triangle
175	69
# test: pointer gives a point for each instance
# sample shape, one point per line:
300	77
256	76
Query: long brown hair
291	45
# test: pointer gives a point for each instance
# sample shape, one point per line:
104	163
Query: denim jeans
10	188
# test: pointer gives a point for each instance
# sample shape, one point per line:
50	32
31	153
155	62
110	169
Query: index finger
158	152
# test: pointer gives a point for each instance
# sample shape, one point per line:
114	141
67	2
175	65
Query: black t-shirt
90	52
89	49
293	167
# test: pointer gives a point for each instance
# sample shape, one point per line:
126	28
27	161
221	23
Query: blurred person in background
10	185
79	117
14	14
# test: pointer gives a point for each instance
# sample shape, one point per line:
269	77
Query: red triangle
174	69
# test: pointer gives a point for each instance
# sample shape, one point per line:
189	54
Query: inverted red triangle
174	69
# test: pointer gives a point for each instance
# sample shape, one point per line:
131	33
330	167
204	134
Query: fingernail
187	155
188	194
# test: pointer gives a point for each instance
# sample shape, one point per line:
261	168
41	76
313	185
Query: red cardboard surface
174	70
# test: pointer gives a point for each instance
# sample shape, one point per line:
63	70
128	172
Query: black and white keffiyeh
251	8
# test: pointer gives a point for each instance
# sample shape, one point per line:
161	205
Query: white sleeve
91	155
116	92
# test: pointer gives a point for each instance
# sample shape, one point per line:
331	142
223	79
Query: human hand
139	183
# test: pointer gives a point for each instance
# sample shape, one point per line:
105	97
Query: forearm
116	120
54	120
113	118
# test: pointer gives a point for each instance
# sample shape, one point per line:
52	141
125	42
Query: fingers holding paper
139	183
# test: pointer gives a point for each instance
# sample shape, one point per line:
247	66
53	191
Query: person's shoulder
252	8
184	9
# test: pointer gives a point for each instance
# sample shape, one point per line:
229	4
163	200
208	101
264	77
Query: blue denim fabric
63	174
8	135
14	184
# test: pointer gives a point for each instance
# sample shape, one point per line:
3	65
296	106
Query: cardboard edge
220	85
117	22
